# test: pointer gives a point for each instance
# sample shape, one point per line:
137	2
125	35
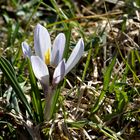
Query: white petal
58	49
59	72
75	56
42	41
26	49
40	70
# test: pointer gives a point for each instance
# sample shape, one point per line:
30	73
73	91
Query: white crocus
47	54
75	56
50	54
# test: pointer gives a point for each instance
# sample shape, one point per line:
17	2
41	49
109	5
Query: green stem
87	62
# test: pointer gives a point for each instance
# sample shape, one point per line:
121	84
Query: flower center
47	56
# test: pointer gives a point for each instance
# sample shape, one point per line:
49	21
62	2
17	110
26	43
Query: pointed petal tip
62	35
81	43
75	55
26	49
42	41
58	49
38	25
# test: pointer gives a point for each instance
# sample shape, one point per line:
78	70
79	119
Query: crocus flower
47	54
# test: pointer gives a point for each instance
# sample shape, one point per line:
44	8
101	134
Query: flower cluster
51	54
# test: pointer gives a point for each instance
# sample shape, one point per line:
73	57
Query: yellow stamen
47	56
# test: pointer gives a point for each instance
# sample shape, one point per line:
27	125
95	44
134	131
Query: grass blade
10	75
87	62
68	36
107	77
35	93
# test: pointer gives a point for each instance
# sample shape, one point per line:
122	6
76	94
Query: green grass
99	98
